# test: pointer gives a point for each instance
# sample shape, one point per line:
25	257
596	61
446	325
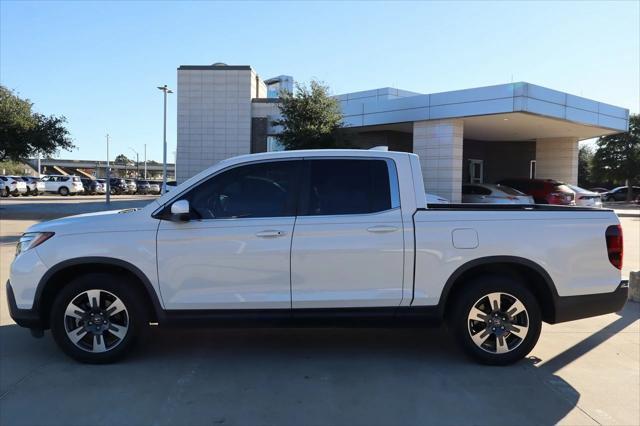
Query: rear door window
349	186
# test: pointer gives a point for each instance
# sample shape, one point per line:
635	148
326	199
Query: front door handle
382	228
270	233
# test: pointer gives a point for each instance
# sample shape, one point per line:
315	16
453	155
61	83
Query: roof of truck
316	153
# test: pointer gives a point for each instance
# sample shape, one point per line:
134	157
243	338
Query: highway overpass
91	168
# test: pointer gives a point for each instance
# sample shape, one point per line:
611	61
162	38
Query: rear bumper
577	307
23	317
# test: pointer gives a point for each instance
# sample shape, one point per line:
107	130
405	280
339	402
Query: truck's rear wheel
496	319
97	318
64	191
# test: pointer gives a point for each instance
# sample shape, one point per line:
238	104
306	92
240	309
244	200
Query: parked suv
63	185
92	186
118	186
543	191
13	186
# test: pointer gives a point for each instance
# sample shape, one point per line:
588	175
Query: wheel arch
51	283
534	276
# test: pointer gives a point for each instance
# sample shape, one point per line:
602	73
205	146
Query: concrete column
557	158
439	145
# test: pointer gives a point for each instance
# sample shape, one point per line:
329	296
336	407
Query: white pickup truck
316	238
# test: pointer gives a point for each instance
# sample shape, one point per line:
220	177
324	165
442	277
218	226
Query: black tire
15	193
5	193
122	288
64	191
461	326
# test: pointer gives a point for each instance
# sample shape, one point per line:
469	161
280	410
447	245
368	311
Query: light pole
165	91
145	160
137	163
108	191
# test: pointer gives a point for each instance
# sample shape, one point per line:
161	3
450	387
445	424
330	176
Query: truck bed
566	242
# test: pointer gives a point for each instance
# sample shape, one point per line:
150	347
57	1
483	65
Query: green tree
618	156
24	133
122	159
310	118
585	158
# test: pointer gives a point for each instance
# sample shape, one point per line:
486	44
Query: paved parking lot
583	372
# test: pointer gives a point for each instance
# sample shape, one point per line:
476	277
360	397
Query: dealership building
472	135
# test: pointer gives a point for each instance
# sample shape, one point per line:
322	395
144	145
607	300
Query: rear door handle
382	228
270	233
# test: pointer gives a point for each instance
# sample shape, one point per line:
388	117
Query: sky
99	63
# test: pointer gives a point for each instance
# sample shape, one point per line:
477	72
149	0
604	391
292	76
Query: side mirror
180	210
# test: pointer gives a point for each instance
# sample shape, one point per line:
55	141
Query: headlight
31	240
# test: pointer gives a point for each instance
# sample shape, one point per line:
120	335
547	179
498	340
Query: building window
532	169
273	144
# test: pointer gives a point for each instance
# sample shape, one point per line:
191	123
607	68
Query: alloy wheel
498	322
96	321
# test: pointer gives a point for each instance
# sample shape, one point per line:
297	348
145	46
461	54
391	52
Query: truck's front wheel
496	319
97	317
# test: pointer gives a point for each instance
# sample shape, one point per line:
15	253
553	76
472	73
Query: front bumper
23	317
572	308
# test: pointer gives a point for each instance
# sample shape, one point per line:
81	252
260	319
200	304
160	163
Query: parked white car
340	237
63	185
13	186
493	194
586	198
35	186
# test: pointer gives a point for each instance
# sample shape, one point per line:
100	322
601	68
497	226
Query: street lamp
137	163
165	90
108	173
145	160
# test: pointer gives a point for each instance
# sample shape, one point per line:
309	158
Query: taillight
613	235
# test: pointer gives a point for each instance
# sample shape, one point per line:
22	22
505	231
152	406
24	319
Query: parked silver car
586	198
493	194
132	187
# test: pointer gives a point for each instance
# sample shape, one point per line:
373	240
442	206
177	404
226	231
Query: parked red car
543	191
